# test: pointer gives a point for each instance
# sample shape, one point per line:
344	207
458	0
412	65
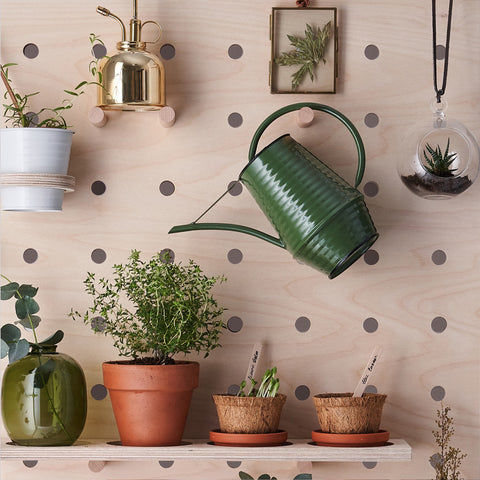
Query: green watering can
320	219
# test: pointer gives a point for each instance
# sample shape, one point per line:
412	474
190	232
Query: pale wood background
201	154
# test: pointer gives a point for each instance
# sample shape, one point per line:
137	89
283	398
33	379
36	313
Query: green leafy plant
26	309
268	386
266	476
17	113
447	461
170	308
439	163
308	52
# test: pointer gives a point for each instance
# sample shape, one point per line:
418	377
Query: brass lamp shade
133	79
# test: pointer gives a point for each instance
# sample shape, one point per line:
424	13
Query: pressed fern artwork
308	52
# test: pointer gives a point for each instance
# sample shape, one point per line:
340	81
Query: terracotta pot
150	402
249	414
343	413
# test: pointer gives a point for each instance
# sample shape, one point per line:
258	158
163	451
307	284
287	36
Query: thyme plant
439	163
448	460
307	52
155	309
17	112
268	386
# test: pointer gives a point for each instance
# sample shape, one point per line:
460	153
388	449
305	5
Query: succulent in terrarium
439	163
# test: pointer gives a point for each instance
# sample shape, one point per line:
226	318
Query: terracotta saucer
377	439
248	439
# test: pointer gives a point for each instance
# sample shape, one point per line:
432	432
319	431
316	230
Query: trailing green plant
169	308
439	163
447	461
308	52
268	386
26	309
266	476
17	112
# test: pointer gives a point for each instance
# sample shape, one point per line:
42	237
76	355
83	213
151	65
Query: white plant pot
33	168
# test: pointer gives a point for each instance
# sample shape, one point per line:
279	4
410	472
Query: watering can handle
322	108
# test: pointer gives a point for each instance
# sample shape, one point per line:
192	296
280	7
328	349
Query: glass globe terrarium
443	158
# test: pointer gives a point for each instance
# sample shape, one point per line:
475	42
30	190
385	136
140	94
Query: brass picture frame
291	25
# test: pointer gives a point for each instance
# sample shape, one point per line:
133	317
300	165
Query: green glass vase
44	398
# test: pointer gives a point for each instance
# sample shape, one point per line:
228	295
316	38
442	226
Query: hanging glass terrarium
444	157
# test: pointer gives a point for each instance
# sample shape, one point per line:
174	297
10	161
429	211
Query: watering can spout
231	227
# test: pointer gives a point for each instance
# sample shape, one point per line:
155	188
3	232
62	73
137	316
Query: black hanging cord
440	91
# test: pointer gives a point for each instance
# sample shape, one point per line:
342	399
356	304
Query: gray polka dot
235	51
98	255
167	51
99	50
98	187
371	257
371	120
371	189
234	324
369	465
30	255
302	392
437	393
371	52
436	460
302	324
235	120
166	463
439	257
32	118
371	389
98	391
30	50
167	188
167	255
98	324
30	463
233	389
440	51
235	256
235	188
370	325
439	324
233	464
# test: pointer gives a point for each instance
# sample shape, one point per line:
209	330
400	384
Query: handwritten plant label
252	366
367	372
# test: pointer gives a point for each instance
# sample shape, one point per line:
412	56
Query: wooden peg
305	117
96	465
97	117
167	116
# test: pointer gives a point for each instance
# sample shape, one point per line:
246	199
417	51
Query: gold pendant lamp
133	79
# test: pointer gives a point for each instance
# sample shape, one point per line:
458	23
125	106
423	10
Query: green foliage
447	461
307	53
268	386
17	112
266	476
25	309
169	308
437	163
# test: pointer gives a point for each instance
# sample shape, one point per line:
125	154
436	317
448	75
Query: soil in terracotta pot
432	185
147	361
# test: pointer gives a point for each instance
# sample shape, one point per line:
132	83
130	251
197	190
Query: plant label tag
252	366
368	371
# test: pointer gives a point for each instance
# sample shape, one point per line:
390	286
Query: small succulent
268	386
439	163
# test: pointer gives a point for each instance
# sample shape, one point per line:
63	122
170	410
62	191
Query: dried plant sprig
448	460
308	52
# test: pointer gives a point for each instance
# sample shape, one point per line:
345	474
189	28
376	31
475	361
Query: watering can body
321	220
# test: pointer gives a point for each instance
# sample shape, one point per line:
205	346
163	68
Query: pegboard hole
30	50
167	51
235	51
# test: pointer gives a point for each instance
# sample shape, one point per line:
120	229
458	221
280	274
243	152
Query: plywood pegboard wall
415	292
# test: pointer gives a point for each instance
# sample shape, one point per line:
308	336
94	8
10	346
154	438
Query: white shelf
296	449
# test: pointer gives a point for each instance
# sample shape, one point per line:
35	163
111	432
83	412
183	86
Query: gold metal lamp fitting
133	79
